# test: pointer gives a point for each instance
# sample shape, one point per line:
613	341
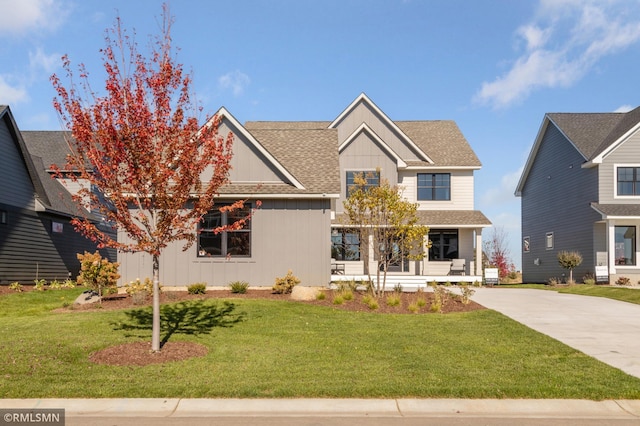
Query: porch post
611	245
478	263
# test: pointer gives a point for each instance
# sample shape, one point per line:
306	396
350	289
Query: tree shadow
193	317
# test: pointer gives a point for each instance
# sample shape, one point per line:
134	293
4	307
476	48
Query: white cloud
503	193
623	108
11	94
563	43
39	60
20	17
236	81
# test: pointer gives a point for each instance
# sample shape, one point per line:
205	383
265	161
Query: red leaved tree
138	152
497	251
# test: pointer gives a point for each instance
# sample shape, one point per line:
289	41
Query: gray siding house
580	191
36	238
300	172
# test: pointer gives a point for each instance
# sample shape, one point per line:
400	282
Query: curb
176	407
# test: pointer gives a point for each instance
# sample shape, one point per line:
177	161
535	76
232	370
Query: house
37	240
580	191
301	172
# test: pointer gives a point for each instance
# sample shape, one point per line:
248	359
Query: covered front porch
410	282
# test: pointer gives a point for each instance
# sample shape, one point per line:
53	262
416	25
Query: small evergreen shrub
239	287
197	288
285	284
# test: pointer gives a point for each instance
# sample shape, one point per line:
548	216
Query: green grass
272	349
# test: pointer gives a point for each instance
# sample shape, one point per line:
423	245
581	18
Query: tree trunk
155	329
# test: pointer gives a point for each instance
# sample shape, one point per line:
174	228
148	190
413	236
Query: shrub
466	294
239	287
623	281
371	302
347	295
413	307
40	284
285	284
569	260
15	286
338	299
440	297
197	288
69	283
393	300
55	285
321	295
97	273
554	281
140	289
397	288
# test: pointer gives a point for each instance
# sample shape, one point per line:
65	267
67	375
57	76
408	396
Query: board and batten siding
16	188
627	154
291	234
556	199
363	113
462	184
29	249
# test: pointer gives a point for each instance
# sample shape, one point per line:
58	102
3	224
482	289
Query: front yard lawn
280	349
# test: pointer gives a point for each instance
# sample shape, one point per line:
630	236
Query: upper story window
225	243
372	178
628	180
434	186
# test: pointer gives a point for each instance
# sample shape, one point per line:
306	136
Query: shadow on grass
192	317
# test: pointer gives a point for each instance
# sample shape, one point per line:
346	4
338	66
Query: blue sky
495	67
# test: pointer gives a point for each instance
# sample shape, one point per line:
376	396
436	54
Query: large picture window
372	177
225	243
628	180
434	186
625	245
444	244
345	244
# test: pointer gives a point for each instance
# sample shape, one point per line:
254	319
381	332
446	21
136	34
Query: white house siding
462	184
627	154
286	234
556	199
16	188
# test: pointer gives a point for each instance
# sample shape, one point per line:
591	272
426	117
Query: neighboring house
301	172
36	238
580	191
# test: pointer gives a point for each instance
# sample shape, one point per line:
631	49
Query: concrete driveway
605	329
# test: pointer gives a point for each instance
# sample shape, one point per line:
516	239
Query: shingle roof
51	146
442	141
309	154
619	210
440	218
592	133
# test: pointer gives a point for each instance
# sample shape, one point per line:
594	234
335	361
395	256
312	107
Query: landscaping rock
304	293
87	297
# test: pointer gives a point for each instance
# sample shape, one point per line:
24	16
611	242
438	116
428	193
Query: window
549	241
434	186
372	178
625	245
345	244
224	243
628	180
444	244
3	217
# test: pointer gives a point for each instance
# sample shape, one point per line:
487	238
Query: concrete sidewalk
606	329
451	408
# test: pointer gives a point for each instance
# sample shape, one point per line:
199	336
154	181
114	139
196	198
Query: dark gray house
36	238
580	191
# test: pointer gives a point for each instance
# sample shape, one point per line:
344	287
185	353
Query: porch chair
458	267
